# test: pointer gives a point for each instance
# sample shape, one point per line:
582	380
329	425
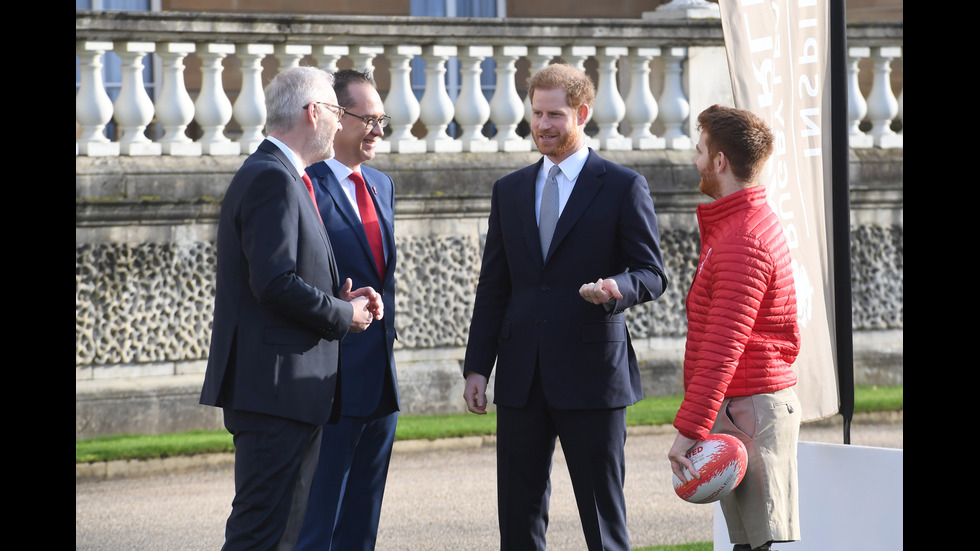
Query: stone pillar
401	104
641	106
250	106
674	107
93	108
857	107
213	107
328	56
882	105
609	106
174	107
472	107
290	55
133	108
437	108
506	107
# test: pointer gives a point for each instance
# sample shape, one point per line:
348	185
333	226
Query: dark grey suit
274	359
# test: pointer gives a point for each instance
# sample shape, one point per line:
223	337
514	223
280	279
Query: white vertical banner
778	56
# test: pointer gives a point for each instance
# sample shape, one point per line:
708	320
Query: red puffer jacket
742	333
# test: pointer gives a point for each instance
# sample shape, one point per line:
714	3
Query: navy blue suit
274	356
345	502
564	367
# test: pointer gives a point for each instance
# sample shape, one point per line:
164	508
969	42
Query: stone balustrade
156	148
651	74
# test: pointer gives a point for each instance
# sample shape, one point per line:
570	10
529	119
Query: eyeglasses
370	123
334	108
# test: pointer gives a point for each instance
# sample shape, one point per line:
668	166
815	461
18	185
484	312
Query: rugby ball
721	460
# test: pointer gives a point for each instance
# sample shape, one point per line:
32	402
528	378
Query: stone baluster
363	57
674	107
290	55
609	106
133	107
857	107
472	107
436	106
401	104
213	108
506	107
641	106
882	105
93	108
328	56
539	57
249	107
174	106
576	56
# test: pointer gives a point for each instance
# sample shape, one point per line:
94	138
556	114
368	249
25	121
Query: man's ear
720	162
312	114
582	114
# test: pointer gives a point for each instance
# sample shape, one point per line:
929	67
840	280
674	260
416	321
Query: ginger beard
555	143
710	183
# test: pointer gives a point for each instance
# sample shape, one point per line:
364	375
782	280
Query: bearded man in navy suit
549	314
280	312
357	206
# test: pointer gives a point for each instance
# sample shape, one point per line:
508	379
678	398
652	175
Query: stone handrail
651	74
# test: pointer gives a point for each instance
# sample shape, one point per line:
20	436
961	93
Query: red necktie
309	187
369	218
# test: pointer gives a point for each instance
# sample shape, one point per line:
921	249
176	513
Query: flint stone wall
145	258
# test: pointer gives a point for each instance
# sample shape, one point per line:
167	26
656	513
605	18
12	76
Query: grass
657	410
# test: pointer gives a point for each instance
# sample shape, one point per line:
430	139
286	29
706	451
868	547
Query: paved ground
440	497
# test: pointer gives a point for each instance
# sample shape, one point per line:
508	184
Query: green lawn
658	410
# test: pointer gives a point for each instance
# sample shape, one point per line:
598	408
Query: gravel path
440	496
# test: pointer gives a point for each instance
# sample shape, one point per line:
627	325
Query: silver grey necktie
549	210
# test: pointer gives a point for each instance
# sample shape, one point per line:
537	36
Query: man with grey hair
280	312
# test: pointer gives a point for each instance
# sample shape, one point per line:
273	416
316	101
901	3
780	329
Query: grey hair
289	91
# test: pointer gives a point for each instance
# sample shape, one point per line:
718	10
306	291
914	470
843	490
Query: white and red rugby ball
721	460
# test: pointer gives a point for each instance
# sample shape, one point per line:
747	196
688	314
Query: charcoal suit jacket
275	341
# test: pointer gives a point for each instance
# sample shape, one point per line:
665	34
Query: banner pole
841	213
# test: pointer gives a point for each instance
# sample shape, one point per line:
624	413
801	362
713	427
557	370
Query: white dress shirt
568	175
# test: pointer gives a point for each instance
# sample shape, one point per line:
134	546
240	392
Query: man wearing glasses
357	206
280	312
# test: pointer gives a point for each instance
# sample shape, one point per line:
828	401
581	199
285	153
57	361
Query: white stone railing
651	75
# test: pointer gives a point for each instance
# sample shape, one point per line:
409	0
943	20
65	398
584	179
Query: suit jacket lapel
587	185
334	191
379	193
329	184
525	211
